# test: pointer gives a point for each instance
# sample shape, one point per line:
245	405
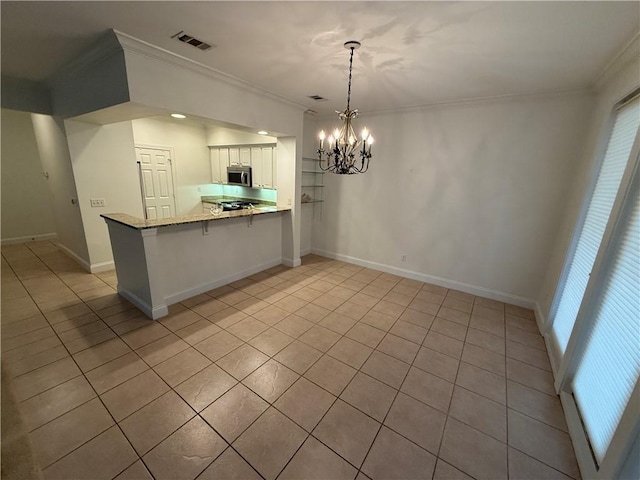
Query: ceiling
413	53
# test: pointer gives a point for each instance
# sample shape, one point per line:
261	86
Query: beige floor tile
314	461
523	467
133	394
350	352
180	319
529	355
27	364
482	382
270	442
290	303
137	471
430	297
416	421
44	378
67	432
453	315
347	431
30	349
330	374
294	325
530	376
488	313
100	354
115	372
227	317
23	326
393	456
352	310
480	413
156	421
182	366
65	314
488	303
198	331
305	403
386	369
186	453
234	411
90	340
298	356
337	322
218	345
408	331
369	396
542	442
319	338
437	363
486	341
519	311
444	471
398	348
364	300
473	452
313	313
145	335
530	339
204	387
542	407
271	380
162	349
209	307
528	325
242	361
366	334
9	344
54	402
389	308
492	326
457	303
428	388
443	344
229	466
329	301
394	296
101	458
78	326
417	318
271	341
379	320
483	358
248	328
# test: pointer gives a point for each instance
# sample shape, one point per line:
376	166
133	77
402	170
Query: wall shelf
313	177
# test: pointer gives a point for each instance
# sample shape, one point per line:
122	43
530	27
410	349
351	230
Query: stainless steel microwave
239	175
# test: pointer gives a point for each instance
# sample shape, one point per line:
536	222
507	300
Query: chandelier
346	153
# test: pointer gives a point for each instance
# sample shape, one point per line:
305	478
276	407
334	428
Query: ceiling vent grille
194	42
317	98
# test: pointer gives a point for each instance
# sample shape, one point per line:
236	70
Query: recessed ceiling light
178	115
263	132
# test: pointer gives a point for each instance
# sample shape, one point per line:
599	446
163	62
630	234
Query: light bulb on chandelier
344	155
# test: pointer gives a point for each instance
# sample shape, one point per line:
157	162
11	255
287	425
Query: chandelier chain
349	89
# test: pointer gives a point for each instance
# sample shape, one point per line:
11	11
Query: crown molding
476	101
140	47
104	48
628	53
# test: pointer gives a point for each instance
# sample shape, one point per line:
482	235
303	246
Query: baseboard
304	252
83	263
31	238
192	292
291	262
151	312
102	267
422	277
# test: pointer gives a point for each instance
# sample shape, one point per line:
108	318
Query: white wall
56	160
470	193
26	203
191	166
104	166
619	85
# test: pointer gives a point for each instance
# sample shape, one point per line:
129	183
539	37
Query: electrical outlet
98	202
289	202
403	258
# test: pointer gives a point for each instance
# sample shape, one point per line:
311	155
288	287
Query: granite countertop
221	199
140	224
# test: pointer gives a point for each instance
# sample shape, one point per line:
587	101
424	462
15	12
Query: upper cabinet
261	159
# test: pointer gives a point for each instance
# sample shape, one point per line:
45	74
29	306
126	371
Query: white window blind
610	365
595	222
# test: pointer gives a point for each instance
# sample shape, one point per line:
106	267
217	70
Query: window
592	230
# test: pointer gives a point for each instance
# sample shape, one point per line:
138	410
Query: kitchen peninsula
161	262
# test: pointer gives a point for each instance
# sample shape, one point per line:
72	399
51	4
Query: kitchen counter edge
140	224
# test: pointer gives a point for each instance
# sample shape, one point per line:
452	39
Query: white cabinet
219	163
261	159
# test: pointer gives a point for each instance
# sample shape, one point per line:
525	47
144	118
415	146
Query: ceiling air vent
194	42
318	98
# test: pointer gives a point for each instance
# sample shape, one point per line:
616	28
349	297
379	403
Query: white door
156	180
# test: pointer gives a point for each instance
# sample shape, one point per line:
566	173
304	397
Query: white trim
624	57
83	263
306	251
422	277
579	440
205	287
153	313
296	262
102	266
31	238
134	45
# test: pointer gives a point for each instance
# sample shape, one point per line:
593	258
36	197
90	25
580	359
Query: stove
235	205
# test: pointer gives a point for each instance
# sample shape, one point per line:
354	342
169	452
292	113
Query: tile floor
327	371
